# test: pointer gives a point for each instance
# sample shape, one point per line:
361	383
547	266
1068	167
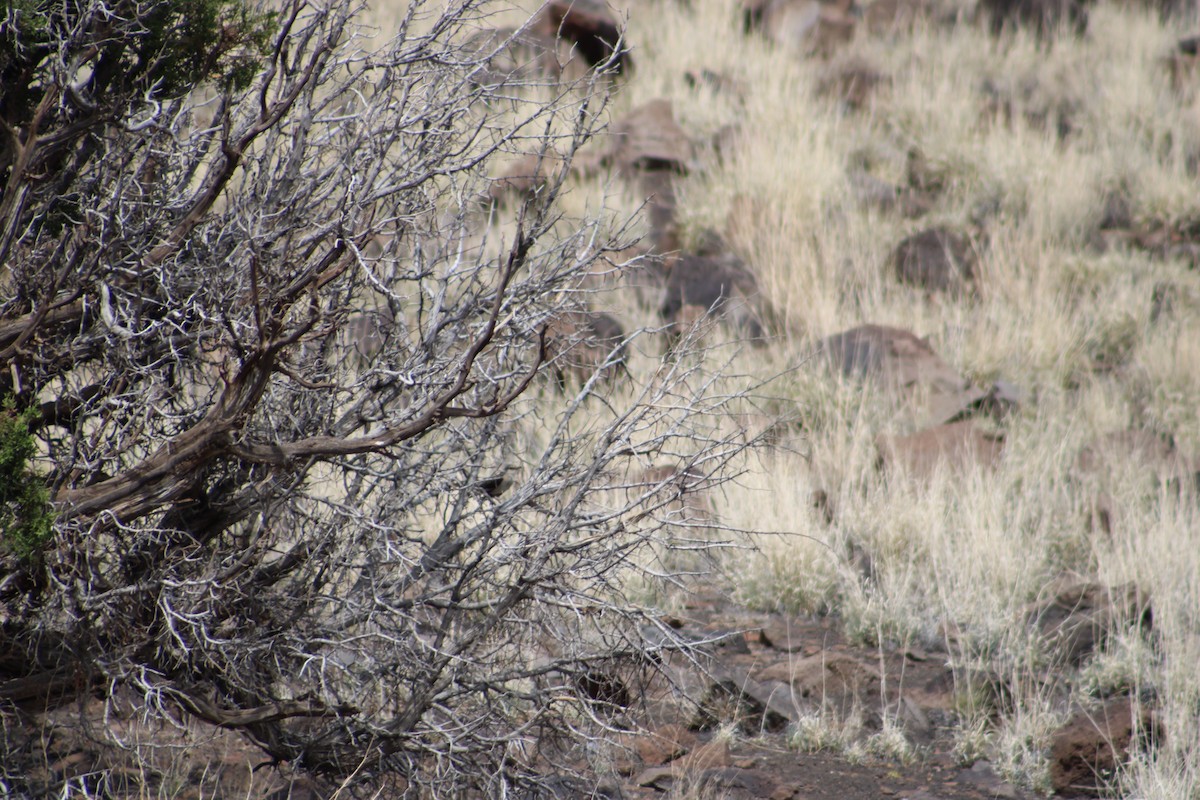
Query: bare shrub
248	533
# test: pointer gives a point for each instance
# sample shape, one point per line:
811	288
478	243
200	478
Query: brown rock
590	26
851	80
1087	751
808	26
1118	448
700	285
895	357
905	365
665	744
512	56
1044	16
733	696
677	495
1078	616
936	259
658	188
581	343
890	17
835	681
523	178
957	445
708	756
649	138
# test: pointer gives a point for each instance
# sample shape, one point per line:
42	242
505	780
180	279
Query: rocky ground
771	706
787	708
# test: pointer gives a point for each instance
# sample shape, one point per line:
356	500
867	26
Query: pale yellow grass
956	558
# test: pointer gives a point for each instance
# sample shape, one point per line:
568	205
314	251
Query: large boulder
906	366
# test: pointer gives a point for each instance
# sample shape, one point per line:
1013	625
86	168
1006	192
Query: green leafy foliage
133	50
217	40
26	518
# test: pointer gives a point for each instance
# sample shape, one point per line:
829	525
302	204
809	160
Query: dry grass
967	549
